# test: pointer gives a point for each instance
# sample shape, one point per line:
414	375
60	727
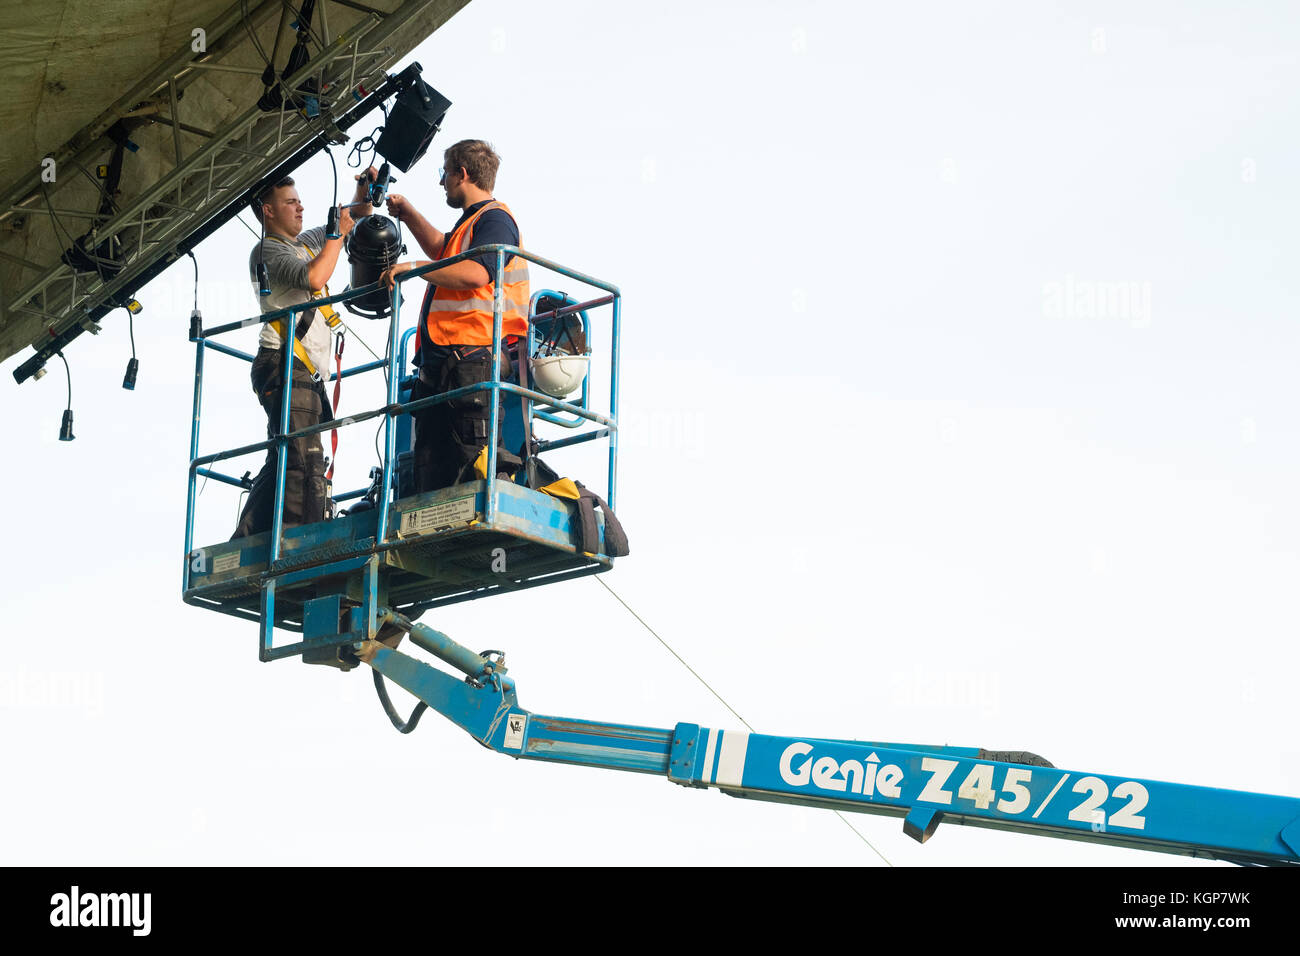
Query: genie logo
827	773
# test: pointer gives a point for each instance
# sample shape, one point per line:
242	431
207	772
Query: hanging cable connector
263	277
65	430
332	220
133	364
196	317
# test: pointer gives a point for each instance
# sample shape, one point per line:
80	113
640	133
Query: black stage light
373	245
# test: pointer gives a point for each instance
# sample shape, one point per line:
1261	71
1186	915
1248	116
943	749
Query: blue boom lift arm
925	785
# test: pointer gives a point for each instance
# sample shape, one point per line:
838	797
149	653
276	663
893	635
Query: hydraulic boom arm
925	785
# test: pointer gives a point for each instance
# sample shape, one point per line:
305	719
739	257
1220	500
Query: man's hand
363	183
399	207
430	239
346	222
389	277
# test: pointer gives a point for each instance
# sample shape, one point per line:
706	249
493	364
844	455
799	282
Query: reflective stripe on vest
464	316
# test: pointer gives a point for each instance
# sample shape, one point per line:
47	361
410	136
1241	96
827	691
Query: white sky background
880	480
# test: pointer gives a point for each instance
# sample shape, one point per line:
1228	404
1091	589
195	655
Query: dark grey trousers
305	495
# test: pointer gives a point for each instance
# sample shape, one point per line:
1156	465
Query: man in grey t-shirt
298	264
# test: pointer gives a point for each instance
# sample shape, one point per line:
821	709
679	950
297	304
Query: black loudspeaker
414	119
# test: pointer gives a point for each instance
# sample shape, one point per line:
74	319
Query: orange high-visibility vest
464	316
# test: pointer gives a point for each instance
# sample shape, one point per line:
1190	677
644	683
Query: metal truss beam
212	171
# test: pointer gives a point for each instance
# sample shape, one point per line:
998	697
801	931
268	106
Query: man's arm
494	226
321	268
431	240
466	274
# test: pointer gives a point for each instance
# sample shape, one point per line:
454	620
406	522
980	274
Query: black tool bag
540	475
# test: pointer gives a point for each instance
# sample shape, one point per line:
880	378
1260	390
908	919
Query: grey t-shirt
286	266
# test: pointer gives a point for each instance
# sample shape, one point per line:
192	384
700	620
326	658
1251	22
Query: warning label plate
439	517
515	724
226	562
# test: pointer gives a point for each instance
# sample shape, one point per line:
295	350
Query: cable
132	364
248	227
388	351
332	221
248	26
196	278
69	371
263	279
334	166
676	655
275	82
367	143
352	332
65	429
101	186
93	257
404	727
305	24
843	818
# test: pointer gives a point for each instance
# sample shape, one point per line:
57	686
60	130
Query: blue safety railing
547	412
394	364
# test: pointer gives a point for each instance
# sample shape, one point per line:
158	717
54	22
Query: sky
959	407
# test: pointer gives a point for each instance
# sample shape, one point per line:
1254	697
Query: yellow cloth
564	488
480	464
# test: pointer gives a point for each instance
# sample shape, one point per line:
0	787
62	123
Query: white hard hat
560	375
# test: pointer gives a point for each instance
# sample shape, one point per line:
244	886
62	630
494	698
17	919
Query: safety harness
335	323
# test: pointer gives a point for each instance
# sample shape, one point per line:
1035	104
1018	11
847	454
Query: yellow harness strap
299	352
327	312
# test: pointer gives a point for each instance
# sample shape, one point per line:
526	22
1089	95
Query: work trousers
449	436
305	496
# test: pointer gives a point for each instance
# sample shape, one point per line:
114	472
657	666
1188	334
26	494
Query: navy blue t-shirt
493	226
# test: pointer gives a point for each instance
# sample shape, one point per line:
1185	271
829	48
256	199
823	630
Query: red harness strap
338	387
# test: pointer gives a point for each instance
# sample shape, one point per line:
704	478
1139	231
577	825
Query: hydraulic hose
403	727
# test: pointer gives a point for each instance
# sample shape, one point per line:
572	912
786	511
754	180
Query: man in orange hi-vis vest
455	331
